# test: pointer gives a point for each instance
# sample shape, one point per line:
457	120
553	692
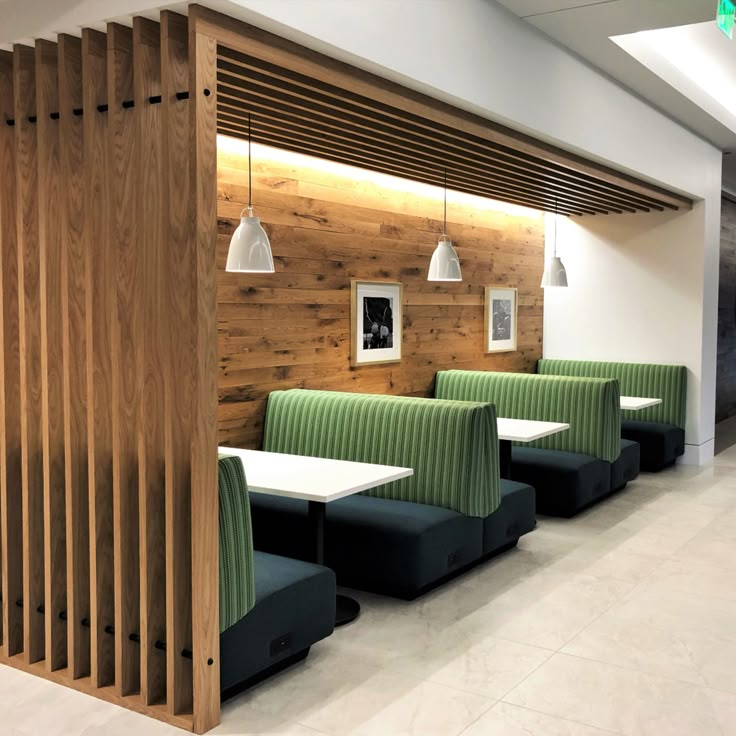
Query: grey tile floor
620	621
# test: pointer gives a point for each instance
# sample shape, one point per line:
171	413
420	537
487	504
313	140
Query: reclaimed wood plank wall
108	402
329	225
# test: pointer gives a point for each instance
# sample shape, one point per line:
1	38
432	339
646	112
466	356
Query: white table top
636	403
311	478
527	430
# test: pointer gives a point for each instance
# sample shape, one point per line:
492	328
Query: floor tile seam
475	720
550	654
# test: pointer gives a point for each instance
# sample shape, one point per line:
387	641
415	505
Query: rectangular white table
637	403
318	481
522	430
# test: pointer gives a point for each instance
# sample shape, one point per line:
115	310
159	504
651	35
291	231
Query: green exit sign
725	19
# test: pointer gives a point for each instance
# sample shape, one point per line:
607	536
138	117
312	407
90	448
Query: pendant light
445	265
250	249
554	272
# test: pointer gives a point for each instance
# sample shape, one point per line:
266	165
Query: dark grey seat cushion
514	517
295	608
626	467
565	482
390	547
661	444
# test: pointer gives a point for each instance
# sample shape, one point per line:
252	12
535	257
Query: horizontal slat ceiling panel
307	115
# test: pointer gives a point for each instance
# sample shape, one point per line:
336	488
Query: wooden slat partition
179	255
26	182
74	310
100	300
126	332
108	398
11	475
52	352
151	357
202	284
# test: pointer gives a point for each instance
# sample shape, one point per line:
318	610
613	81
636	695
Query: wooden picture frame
500	323
376	321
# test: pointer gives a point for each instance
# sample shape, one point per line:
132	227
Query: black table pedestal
346	609
504	452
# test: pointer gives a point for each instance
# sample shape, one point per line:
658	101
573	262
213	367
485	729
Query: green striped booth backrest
237	578
648	380
589	405
452	446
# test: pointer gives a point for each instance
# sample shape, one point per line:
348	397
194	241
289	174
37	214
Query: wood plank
204	514
100	301
149	208
126	332
11	473
73	271
179	351
52	351
24	64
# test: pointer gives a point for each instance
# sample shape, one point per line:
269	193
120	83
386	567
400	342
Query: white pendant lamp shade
445	265
554	272
250	249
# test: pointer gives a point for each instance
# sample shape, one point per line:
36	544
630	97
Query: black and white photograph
376	322
500	319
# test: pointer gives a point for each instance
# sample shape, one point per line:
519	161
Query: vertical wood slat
202	283
100	300
52	354
26	175
74	338
179	349
126	330
149	213
11	476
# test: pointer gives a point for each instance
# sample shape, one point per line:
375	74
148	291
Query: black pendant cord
250	175
444	221
555	253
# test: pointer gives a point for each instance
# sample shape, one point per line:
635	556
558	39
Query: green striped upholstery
452	446
589	405
237	579
648	380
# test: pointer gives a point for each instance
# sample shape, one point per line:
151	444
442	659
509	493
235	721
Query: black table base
346	609
504	451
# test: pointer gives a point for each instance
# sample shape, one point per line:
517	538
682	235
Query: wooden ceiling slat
374	151
282	87
287	55
302	118
233	127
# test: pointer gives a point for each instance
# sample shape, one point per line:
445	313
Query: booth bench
569	470
272	609
659	430
405	537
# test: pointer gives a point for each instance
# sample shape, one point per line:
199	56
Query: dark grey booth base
390	547
626	467
661	444
295	608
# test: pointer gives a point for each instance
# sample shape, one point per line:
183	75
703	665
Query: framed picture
500	319
376	318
